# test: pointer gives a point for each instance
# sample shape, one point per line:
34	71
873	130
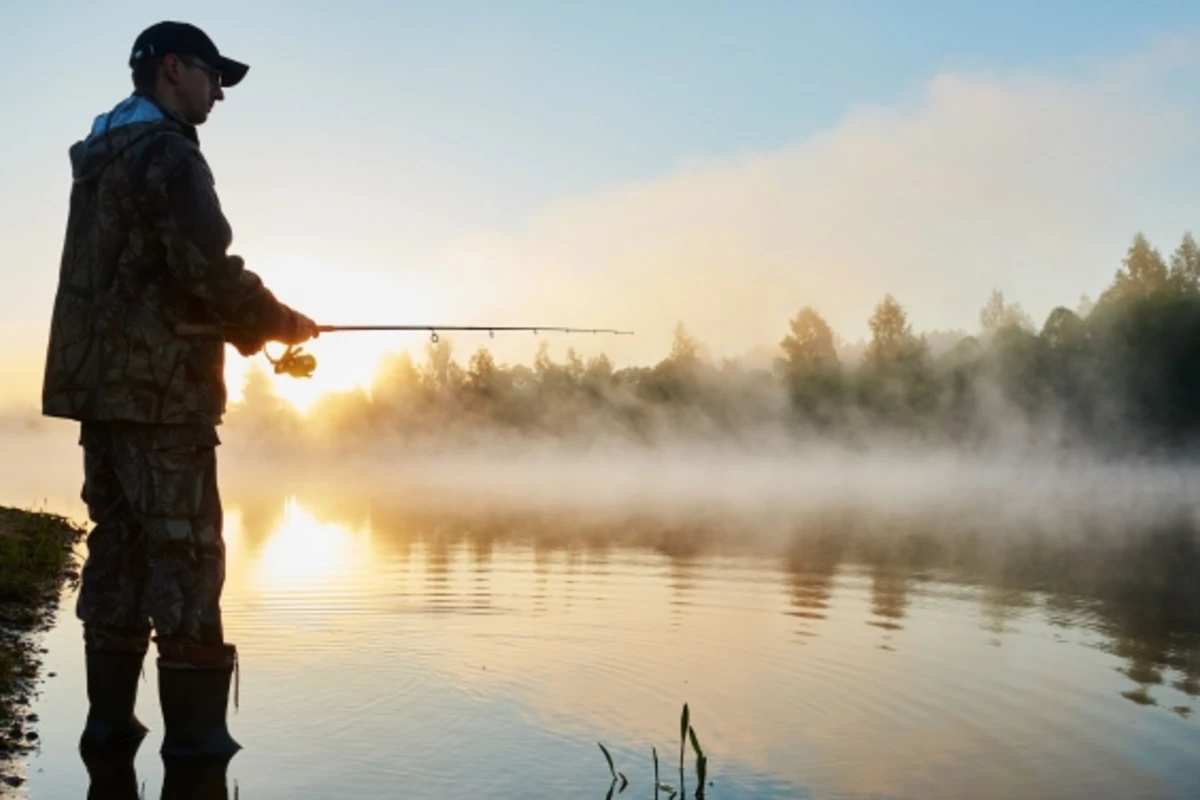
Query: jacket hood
115	131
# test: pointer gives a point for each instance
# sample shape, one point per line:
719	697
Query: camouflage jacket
145	249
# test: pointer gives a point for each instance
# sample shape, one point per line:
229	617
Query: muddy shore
36	560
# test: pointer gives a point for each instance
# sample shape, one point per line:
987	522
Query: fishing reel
294	362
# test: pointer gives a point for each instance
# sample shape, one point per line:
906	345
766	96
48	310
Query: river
1015	638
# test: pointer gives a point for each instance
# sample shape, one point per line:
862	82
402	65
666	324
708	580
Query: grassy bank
35	558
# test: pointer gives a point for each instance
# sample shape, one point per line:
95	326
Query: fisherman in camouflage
145	250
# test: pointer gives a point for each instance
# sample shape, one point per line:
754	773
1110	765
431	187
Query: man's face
197	89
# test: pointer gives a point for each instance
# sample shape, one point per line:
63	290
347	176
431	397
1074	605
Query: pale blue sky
518	102
379	137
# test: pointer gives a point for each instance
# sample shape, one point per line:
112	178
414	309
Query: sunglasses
213	74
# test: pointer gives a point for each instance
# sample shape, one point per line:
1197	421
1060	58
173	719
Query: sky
632	164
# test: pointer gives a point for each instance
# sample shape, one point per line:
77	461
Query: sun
342	365
336	296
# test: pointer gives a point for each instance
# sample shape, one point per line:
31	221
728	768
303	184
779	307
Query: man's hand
246	345
299	329
296	328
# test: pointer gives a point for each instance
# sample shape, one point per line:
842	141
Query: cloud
1029	182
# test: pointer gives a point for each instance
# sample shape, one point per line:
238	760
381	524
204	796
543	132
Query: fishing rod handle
199	329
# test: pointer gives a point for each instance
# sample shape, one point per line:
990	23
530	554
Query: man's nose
218	93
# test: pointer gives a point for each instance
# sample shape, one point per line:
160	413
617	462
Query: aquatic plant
686	732
613	771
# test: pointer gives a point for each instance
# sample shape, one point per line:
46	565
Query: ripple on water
447	671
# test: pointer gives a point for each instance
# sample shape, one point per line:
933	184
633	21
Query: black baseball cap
183	39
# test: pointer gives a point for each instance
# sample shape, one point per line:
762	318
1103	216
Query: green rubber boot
112	679
193	689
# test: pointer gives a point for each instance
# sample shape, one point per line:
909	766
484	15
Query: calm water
399	644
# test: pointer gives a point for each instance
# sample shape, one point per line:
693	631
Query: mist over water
888	620
774	486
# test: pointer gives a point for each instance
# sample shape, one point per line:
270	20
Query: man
146	250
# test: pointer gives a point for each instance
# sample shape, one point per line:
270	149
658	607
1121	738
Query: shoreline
36	560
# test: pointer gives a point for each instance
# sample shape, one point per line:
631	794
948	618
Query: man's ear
172	68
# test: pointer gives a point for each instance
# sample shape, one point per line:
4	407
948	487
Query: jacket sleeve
197	238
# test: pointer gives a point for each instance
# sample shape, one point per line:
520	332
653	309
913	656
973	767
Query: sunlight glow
303	552
344	361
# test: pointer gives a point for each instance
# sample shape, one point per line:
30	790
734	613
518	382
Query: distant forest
1121	374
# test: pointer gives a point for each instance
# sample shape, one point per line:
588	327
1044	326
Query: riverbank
35	560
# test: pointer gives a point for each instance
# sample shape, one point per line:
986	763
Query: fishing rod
298	364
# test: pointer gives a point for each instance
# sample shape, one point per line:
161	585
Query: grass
35	553
34	549
686	733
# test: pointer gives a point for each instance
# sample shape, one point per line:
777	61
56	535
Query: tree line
1119	374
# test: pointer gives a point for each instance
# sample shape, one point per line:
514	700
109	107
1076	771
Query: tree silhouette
1120	376
1143	274
892	339
1185	265
810	368
996	315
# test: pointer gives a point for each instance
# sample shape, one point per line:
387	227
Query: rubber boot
112	679
192	779
111	774
193	690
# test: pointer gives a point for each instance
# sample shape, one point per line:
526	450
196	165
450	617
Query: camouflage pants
155	556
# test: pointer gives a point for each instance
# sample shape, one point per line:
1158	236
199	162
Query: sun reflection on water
302	551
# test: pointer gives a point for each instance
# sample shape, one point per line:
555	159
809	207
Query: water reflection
525	635
1136	590
481	561
183	780
811	563
541	567
113	776
1002	606
889	596
301	550
681	577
